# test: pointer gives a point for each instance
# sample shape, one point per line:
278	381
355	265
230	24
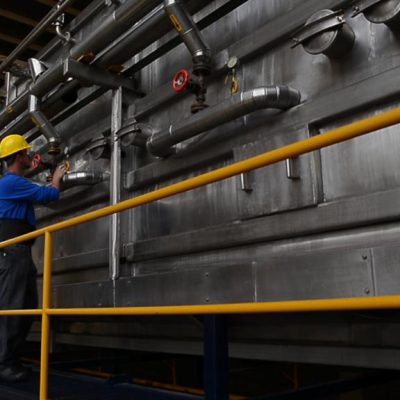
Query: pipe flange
99	148
379	11
325	32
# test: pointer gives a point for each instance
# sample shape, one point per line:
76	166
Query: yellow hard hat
13	144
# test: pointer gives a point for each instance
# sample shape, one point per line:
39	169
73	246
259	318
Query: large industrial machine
136	95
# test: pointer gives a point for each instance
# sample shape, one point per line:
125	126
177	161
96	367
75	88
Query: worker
18	288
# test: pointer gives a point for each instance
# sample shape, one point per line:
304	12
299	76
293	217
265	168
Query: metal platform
67	386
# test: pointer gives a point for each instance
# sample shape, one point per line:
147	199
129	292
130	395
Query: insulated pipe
142	34
190	34
44	125
151	28
114	25
83	178
281	97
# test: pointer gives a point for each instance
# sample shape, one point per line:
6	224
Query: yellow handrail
290	151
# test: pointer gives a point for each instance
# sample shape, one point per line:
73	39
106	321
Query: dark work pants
18	290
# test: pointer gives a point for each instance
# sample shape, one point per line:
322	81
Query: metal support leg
115	183
215	357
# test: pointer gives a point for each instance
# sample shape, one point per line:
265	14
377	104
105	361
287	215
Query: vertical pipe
45	335
216	357
8	87
115	182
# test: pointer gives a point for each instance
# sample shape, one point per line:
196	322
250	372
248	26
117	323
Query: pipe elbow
277	96
81	178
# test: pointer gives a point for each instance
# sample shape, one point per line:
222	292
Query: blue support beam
216	358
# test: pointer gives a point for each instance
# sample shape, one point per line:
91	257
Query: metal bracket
292	168
321	25
90	75
245	184
363	5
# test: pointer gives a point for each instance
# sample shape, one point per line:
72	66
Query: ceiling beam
20	18
52	3
11	39
18	63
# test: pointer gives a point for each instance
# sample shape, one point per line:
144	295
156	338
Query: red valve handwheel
180	81
36	161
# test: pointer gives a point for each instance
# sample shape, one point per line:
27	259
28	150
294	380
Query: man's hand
57	176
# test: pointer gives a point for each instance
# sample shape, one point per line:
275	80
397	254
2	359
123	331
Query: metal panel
94	294
373	161
193	286
313	276
269	190
386	261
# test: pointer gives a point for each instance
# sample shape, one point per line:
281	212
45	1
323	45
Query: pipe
281	97
190	35
139	36
36	32
133	134
44	125
114	25
73	179
8	87
66	37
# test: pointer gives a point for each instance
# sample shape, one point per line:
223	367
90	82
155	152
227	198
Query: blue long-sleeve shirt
18	195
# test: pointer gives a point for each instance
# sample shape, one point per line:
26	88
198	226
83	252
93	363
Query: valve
181	81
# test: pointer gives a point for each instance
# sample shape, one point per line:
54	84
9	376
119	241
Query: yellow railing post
46	302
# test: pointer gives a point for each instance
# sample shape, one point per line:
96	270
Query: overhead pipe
150	29
114	25
124	16
46	81
73	179
44	125
35	33
280	97
190	35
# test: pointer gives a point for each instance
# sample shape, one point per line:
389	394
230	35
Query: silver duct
44	125
280	97
83	178
190	34
114	25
